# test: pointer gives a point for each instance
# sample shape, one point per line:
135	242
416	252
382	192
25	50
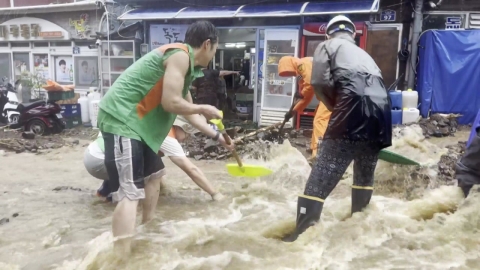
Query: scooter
41	117
9	110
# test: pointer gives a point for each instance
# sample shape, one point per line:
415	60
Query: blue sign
453	23
388	16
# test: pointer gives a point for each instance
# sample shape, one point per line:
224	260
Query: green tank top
132	106
100	143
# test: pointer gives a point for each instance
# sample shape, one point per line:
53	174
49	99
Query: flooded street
405	226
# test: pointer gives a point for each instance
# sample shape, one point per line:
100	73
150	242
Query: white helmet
341	27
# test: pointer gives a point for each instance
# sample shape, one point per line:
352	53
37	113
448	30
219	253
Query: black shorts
130	163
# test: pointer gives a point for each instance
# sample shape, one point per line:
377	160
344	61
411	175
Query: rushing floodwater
70	229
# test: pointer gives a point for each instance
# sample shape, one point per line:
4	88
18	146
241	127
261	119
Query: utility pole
417	30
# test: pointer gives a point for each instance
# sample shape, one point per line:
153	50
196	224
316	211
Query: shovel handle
234	152
285	120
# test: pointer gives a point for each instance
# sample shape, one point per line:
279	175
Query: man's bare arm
228	72
176	68
200	123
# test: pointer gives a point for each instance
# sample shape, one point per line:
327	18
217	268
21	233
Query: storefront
34	50
273	32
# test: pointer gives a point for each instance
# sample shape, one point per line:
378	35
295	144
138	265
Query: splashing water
70	230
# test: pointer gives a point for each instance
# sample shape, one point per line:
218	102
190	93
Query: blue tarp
448	78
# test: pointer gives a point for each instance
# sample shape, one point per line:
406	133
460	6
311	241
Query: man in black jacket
348	81
206	88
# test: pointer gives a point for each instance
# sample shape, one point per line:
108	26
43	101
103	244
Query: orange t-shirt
170	134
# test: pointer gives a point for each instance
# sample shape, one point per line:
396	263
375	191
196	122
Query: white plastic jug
94	113
410	115
83	100
409	99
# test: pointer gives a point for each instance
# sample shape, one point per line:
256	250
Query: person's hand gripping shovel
240	169
288	116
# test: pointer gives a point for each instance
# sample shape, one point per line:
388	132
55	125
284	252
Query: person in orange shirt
302	69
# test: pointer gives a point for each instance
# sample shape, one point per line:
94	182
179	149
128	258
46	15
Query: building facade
43	40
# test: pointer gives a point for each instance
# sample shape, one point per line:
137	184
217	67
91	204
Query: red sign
315	29
54	34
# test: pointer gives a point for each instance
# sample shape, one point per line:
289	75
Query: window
40	66
61	44
21	65
84	43
20	44
443	21
40	44
86	71
5	66
63	69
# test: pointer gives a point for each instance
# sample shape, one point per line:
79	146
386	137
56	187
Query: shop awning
246	11
208	12
150	14
340	7
280	10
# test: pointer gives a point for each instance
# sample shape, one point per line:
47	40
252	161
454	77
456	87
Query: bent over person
136	115
291	66
94	158
349	83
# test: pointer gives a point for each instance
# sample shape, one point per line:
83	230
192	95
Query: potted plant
31	85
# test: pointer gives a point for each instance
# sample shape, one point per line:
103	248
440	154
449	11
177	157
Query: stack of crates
72	115
68	102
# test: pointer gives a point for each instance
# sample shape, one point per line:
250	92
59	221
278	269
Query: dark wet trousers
333	158
468	168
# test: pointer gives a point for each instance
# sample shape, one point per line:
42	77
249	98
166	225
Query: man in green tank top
136	115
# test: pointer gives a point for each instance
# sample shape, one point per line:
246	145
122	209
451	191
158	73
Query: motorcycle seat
27	106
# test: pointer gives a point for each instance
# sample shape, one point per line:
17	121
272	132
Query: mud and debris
439	125
254	143
19	142
447	163
64	188
250	142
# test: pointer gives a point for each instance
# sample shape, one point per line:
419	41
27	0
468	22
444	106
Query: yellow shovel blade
248	170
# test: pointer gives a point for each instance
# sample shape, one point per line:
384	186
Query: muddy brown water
70	229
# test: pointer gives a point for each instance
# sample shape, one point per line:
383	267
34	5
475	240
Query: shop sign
161	34
388	15
23	30
26	28
81	26
453	23
52	34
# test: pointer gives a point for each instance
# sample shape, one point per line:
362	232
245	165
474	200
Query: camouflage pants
332	160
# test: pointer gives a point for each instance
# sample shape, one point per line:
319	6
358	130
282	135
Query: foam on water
437	230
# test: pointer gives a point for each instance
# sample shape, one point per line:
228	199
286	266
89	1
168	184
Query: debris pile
254	142
19	142
446	165
439	125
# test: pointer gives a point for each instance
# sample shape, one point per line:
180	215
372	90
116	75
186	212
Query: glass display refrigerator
313	35
277	92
